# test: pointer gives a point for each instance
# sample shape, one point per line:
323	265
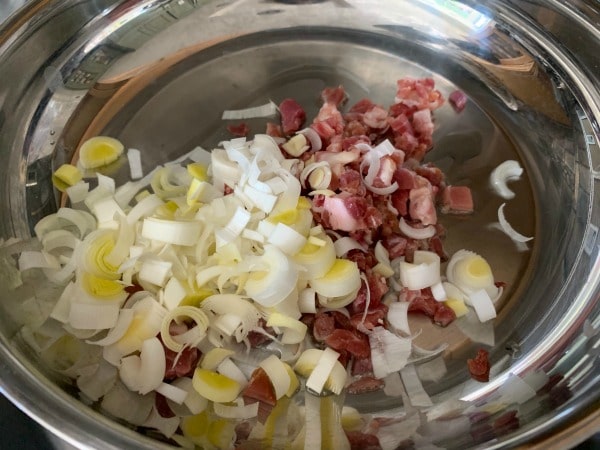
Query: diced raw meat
479	367
395	245
260	388
242	129
350	181
444	315
292	115
422	122
329	114
457	200
335	95
422	205
362	106
376	117
323	326
458	100
185	365
274	130
352	342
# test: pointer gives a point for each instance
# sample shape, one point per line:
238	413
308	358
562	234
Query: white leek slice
194	401
214	357
66	176
201	192
105	211
278	374
316	260
508	229
144	208
78	192
307	362
125	404
296	146
94	249
37	260
343	278
83	221
166	425
504	172
295	330
288	240
190	312
118	331
318	377
416	233
483	305
316	175
215	387
93	316
145	372
307	301
174	293
125	240
230	369
224	171
236	412
469	272
99	151
59	239
397	317
60	312
170	181
422	273
266	110
344	244
313	137
173	393
97	384
134	157
221	304
146	323
105	182
273	285
439	292
262	200
184	233
389	353
155	271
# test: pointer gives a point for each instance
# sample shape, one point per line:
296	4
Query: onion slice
416	233
507	171
267	110
508	229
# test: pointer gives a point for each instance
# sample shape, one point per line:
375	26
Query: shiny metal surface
157	74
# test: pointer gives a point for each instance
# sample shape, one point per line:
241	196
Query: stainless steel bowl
158	73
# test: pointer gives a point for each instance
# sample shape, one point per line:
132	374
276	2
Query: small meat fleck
479	367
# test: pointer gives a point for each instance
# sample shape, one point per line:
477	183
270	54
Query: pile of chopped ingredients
199	299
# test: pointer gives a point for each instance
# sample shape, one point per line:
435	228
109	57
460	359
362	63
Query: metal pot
158	73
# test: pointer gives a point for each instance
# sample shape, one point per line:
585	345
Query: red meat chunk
292	115
479	367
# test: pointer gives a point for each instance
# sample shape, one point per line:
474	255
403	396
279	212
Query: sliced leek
99	151
214	386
